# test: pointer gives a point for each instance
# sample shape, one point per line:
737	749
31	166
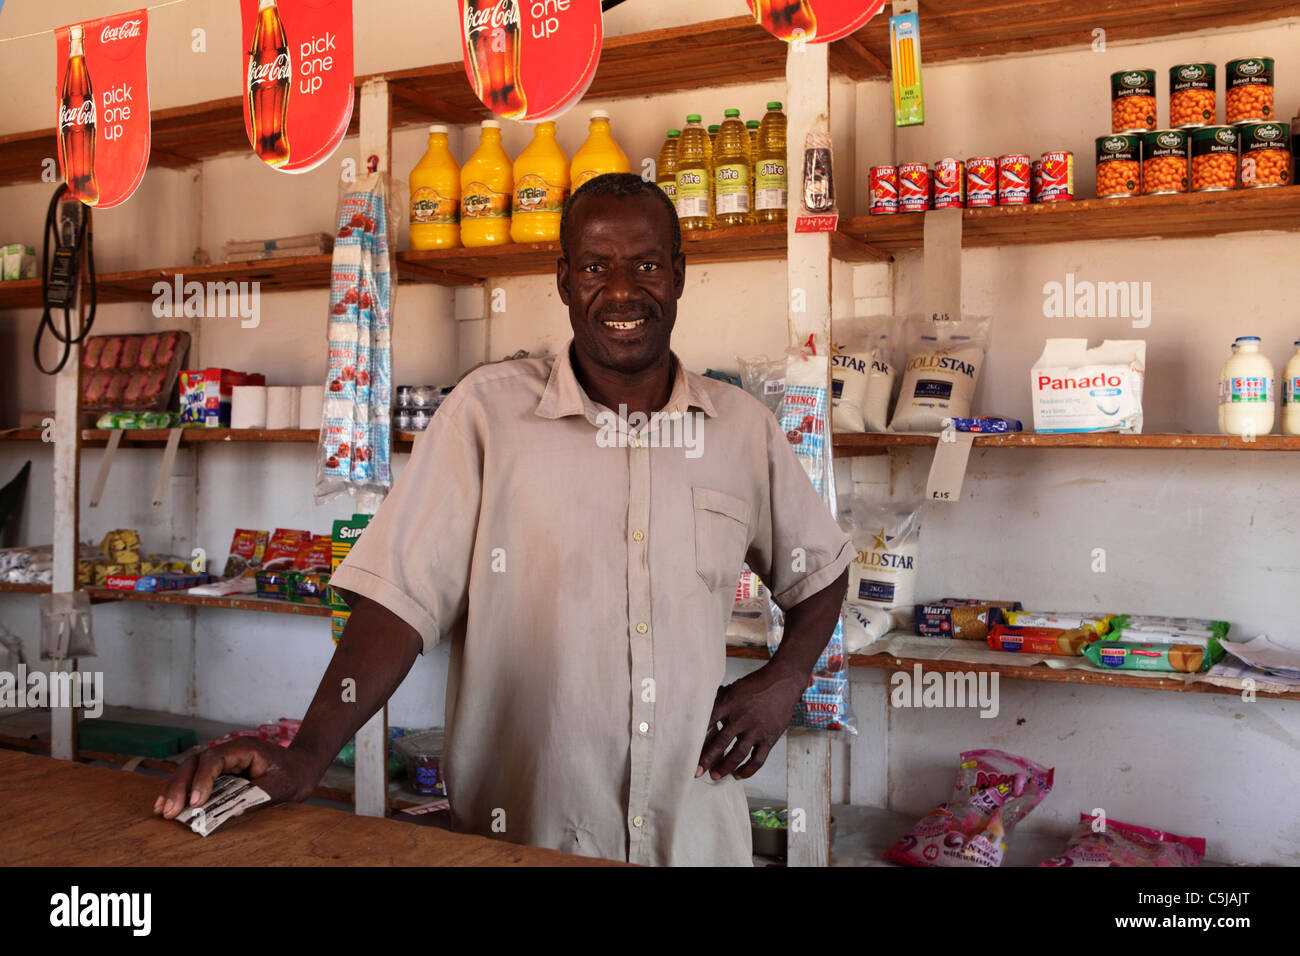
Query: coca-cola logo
123	31
478	16
272	72
84	115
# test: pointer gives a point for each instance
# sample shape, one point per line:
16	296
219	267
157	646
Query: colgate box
206	395
1078	389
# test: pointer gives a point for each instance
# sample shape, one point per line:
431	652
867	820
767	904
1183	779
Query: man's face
621	282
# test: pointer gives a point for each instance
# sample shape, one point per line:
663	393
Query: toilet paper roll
248	406
311	402
282	406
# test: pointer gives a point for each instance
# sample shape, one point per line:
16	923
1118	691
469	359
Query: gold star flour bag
940	374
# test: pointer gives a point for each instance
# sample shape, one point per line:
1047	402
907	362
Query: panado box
1078	389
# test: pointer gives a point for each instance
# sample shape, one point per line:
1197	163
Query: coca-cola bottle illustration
787	19
269	79
492	32
77	122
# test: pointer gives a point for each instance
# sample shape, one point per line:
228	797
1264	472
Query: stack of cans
416	405
1011	180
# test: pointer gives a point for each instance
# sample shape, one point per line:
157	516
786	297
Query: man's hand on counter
374	655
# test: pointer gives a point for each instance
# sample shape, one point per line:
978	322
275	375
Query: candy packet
1100	842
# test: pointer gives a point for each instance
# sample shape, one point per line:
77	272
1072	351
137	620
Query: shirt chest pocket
721	537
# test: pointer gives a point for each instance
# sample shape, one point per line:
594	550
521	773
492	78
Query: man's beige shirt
585	584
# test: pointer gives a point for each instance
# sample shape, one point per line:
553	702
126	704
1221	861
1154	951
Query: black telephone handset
68	222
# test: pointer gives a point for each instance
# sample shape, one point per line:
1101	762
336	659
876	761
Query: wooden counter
56	813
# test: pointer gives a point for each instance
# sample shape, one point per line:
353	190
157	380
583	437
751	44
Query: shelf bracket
166	467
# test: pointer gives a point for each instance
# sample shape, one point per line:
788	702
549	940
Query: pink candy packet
1111	843
994	791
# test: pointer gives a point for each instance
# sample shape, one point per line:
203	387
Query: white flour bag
942	370
862	373
886	540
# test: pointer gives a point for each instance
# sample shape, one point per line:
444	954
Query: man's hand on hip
754	713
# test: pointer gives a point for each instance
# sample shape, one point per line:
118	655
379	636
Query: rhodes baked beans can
1036	181
1164	162
1119	166
884	190
1058	176
914	187
1249	85
949	184
1192	91
1265	155
1133	101
1214	159
981	182
1013	179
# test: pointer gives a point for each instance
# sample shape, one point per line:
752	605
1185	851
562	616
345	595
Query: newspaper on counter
231	796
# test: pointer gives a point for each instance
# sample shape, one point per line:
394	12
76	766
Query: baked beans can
1036	181
1192	92
1214	159
884	190
949	184
1133	101
981	182
914	187
1249	90
1058	176
1013	179
1265	155
1119	166
1164	162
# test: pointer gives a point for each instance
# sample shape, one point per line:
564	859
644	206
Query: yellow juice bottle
435	196
731	172
666	168
541	186
599	154
693	176
486	188
771	183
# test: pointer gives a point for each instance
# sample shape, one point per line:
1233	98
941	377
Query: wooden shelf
8	588
157	437
850	445
1037	672
21	434
1186	216
236	602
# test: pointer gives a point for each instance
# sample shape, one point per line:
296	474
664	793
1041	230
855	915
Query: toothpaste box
1078	389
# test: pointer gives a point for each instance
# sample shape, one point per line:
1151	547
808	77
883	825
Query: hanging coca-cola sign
814	21
530	59
102	89
297	79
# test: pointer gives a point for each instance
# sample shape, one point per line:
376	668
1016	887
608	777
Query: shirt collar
564	395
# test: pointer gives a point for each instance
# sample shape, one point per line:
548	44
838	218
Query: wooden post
808	752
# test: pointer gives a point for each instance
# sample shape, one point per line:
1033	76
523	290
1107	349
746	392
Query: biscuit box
345	533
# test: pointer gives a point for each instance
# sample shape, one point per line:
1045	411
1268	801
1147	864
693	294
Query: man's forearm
374	655
808	626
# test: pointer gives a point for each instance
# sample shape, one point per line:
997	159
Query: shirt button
644	727
638	535
638	821
642	628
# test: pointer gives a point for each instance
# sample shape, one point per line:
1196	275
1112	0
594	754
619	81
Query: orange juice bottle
435	196
541	186
731	165
693	177
486	189
599	154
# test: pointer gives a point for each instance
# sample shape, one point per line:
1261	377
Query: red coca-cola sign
297	80
530	60
102	92
814	21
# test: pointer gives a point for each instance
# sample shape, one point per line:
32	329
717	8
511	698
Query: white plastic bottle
1291	395
1248	391
1222	385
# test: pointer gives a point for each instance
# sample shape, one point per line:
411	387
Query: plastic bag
887	540
941	373
1100	842
864	624
863	372
764	378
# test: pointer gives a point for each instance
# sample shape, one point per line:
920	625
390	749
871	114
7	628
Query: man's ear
562	279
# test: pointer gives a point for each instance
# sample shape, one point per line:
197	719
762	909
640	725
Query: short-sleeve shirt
583	567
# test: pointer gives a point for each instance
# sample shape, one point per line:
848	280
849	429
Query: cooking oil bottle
599	154
771	184
666	168
541	186
435	196
731	167
487	186
751	127
693	176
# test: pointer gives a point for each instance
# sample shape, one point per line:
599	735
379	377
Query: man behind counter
584	584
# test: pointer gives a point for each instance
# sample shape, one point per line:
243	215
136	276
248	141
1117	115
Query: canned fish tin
1249	85
1119	166
1265	155
1058	176
1164	162
1192	92
1036	181
949	184
1013	180
402	420
1214	159
913	187
1133	101
981	182
420	419
884	190
403	396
